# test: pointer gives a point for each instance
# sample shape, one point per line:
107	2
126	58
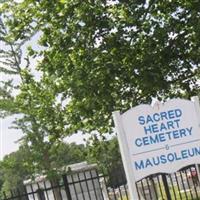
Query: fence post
40	194
67	189
104	189
166	187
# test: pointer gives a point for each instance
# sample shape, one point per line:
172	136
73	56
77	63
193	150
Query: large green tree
41	117
105	55
40	113
41	110
99	56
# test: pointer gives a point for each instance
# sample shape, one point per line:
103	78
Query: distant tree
67	154
104	152
15	168
41	116
107	155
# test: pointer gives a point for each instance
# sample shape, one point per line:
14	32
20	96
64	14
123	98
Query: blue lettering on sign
178	113
141	120
157	117
167	158
161	127
139	165
147	129
138	142
163	137
163	159
155	128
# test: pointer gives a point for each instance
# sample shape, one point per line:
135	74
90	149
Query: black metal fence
83	185
90	185
182	185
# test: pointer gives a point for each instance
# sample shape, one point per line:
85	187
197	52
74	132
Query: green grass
179	195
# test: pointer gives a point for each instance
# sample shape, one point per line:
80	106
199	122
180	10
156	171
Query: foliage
98	56
108	55
15	168
107	155
9	62
41	115
69	154
42	121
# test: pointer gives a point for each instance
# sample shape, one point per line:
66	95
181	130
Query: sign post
195	99
125	156
159	139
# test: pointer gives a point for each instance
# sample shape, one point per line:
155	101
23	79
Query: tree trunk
56	189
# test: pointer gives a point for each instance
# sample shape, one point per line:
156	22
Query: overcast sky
10	136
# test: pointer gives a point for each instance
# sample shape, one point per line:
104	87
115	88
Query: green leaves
104	52
14	171
100	56
15	168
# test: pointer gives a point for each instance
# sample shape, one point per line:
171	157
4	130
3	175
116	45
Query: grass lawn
181	195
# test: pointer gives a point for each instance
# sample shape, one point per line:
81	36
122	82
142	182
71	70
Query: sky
8	136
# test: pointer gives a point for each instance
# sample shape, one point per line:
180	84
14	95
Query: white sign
163	138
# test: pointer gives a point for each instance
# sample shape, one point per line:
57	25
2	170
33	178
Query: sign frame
125	152
125	156
195	99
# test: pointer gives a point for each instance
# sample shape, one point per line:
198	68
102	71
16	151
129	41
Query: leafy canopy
105	55
108	55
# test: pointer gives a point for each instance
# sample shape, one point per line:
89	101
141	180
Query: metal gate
90	185
182	185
